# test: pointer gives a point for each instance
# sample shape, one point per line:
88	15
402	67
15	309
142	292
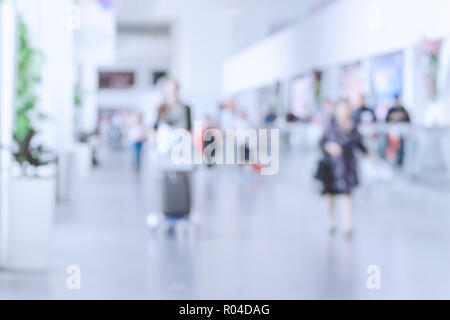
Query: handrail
400	128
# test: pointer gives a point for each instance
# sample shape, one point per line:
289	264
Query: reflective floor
258	238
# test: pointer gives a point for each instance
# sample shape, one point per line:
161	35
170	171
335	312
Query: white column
7	97
89	87
56	43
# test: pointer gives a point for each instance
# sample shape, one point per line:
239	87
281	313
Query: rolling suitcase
176	193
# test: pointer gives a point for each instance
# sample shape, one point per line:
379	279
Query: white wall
202	45
96	33
142	54
95	44
341	33
58	71
201	39
260	18
7	95
138	50
7	79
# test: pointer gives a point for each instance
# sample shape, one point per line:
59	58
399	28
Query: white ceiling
153	11
250	20
274	12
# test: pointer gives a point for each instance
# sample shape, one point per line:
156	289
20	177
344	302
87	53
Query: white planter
30	222
66	188
83	160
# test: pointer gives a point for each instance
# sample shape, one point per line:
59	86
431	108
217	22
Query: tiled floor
259	238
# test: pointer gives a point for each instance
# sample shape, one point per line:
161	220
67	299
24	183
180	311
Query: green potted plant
32	202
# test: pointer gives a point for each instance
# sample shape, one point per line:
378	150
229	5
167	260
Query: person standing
396	143
398	112
172	111
176	191
337	170
138	136
363	113
209	141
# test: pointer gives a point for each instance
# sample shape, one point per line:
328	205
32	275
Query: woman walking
337	170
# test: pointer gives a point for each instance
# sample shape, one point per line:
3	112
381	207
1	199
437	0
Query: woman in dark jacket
338	168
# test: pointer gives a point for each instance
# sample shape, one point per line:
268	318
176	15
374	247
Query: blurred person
227	120
398	113
337	169
138	136
271	116
291	117
363	113
247	153
243	123
116	131
172	111
208	138
395	148
176	189
95	142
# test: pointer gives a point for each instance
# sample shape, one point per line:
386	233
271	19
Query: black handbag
323	170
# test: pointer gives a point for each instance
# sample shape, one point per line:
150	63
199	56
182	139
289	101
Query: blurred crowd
340	142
